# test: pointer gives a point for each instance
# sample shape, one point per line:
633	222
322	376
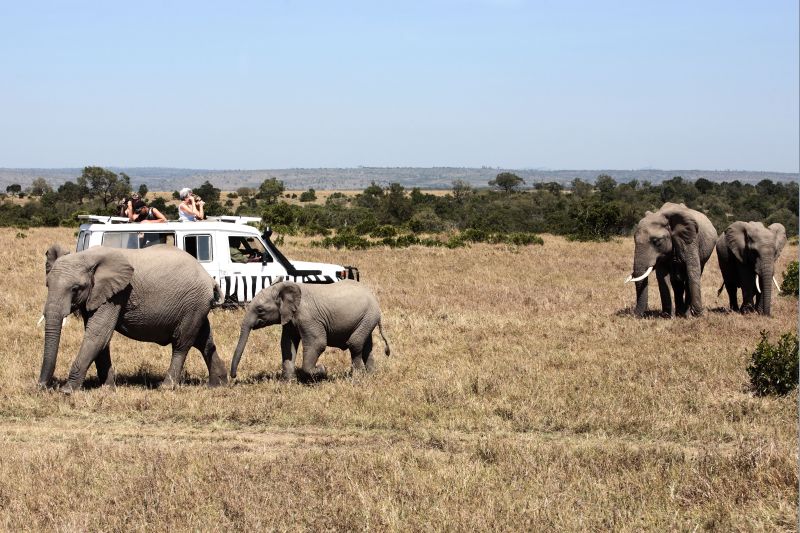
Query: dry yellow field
520	395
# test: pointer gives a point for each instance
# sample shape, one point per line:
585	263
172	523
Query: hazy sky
509	83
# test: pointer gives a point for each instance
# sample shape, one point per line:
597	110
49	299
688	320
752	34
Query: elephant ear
736	239
683	226
54	252
780	237
288	301
111	273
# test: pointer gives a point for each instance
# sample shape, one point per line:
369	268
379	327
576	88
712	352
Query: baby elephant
341	315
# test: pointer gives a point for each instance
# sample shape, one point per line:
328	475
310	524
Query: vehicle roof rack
235	219
105	219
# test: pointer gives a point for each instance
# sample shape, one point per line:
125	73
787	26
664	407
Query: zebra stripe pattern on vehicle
244	288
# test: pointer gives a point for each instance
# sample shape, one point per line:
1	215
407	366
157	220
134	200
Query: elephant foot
111	380
69	388
288	372
168	383
317	374
217	381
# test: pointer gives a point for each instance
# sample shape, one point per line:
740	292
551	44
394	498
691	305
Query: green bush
381	232
790	280
523	239
344	240
773	369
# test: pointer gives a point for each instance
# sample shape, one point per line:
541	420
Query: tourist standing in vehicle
190	209
150	215
135	203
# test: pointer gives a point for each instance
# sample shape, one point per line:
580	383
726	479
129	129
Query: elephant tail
218	298
719	291
386	350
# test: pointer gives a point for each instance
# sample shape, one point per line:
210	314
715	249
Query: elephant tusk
775	281
640	278
41	319
758	287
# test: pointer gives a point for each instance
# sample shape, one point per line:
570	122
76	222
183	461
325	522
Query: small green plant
773	368
344	240
21	235
386	230
790	280
523	239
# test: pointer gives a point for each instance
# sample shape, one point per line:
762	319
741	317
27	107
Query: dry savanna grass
521	395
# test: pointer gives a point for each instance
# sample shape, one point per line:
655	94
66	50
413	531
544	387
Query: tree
580	188
143	190
461	189
309	196
606	185
40	187
507	181
207	192
14	189
71	192
270	190
104	184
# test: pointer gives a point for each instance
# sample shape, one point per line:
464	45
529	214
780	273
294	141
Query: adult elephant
342	315
159	294
676	242
747	252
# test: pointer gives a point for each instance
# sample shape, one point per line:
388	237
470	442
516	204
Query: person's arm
159	217
199	207
129	211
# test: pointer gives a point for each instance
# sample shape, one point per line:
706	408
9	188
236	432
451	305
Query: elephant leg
311	352
290	340
356	357
105	371
367	355
694	291
96	338
662	277
217	370
679	289
173	377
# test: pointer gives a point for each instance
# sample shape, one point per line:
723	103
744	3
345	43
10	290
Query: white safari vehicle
241	260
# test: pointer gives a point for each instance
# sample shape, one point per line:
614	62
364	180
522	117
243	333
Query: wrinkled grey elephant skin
747	252
341	315
159	294
675	242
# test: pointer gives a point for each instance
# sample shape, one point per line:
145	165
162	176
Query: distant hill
169	179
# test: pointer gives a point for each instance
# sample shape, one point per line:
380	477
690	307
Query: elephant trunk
52	337
765	274
641	271
237	355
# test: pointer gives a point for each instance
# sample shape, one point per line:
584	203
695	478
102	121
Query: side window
120	240
83	241
149	239
244	249
198	246
135	240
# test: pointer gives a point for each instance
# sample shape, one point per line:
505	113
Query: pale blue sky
516	84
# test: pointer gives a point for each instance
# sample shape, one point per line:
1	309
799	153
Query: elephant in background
158	294
342	315
677	242
747	252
